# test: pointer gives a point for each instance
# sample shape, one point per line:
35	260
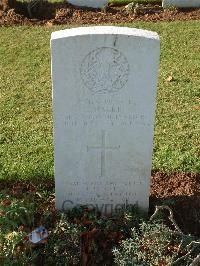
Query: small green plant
63	246
145	247
153	244
132	7
13	250
16	213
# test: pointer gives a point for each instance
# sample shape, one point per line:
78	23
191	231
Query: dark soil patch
181	192
62	13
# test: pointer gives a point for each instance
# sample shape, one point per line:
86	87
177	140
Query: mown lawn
25	100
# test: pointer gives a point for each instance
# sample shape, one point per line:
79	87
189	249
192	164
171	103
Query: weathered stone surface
104	91
181	3
89	3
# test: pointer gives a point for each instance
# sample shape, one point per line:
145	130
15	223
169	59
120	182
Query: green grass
25	100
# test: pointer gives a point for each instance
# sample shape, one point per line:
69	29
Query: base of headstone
181	3
89	3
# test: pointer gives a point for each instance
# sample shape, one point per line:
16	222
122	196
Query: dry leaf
5	202
2	213
38	194
87	222
169	79
49	24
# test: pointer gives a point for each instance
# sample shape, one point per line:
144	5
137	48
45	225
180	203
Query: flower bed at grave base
84	235
62	13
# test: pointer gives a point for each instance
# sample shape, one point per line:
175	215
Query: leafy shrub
153	244
63	246
15	213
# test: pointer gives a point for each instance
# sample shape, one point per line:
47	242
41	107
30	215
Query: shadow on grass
39	183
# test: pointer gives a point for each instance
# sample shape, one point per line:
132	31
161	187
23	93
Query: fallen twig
196	261
190	250
190	247
171	217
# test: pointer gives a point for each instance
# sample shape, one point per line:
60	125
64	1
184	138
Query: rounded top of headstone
104	30
89	3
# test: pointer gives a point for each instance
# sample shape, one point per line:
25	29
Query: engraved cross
103	149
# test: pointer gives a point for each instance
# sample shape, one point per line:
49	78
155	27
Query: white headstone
104	93
89	3
181	3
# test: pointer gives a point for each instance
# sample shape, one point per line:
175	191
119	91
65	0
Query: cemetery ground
26	166
27	185
58	12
